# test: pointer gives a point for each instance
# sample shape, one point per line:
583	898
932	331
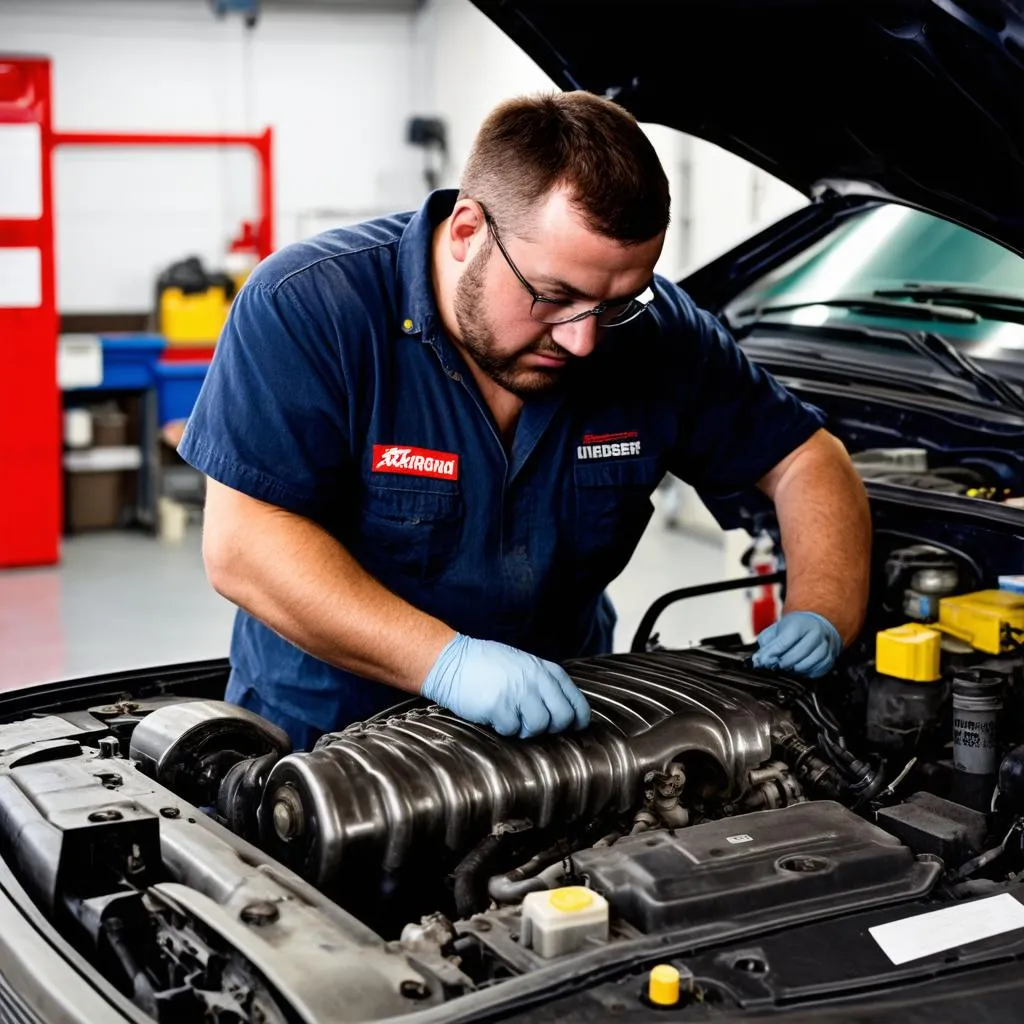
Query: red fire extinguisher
764	608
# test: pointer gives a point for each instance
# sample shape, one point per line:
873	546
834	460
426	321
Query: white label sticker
914	937
739	839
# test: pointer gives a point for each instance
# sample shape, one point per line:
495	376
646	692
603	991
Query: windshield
891	268
888	247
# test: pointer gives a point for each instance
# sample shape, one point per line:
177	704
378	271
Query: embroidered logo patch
609	446
393	458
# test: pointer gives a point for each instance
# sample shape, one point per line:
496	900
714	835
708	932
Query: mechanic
431	439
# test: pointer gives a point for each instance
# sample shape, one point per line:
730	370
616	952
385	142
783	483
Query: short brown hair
530	145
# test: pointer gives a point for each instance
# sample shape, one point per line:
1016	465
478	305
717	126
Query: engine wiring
983	860
860	780
903	773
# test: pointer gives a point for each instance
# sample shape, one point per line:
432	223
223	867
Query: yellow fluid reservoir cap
571	898
663	985
911	652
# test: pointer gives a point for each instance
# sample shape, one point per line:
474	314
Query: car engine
178	845
985	475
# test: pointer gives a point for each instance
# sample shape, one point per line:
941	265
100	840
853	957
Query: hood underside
916	100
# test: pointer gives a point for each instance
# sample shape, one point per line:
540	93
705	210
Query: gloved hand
800	642
500	686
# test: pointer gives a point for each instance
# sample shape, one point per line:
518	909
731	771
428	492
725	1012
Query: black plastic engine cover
788	865
929	824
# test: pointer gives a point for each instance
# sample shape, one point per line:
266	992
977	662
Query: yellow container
989	620
193	319
910	652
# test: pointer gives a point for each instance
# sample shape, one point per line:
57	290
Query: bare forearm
296	578
826	535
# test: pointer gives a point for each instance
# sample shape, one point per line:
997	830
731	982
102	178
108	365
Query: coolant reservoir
905	691
910	652
560	921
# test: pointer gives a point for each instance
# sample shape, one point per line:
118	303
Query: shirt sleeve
737	421
271	417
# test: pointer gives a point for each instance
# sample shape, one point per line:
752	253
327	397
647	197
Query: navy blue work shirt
336	394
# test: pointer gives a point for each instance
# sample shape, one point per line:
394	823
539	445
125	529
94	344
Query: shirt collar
417	305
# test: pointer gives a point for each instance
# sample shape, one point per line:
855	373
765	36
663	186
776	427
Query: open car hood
914	100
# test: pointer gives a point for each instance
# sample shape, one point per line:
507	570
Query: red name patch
393	458
624	435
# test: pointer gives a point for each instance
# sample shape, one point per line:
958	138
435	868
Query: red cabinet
30	417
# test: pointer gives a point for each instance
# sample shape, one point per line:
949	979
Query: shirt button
407	325
455	375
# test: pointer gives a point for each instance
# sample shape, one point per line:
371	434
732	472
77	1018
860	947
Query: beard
480	338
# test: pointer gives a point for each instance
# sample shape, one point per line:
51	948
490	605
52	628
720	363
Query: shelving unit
33	517
126	383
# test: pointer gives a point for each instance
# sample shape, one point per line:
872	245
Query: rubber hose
467	875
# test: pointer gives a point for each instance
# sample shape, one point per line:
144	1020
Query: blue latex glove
801	642
500	686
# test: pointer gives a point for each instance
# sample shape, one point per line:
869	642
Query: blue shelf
129	361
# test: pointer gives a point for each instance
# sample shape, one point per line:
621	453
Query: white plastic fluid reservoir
559	921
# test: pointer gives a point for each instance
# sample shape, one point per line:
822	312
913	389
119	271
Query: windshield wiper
943	354
968	294
870	304
932	347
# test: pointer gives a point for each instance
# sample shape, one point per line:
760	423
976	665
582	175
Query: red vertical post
264	154
30	434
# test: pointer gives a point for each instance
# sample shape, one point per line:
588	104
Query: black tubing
468	875
650	617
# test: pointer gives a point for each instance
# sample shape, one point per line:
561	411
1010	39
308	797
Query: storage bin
178	385
94	500
194	319
128	360
192	302
109	428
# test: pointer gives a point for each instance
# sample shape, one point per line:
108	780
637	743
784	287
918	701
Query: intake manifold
419	780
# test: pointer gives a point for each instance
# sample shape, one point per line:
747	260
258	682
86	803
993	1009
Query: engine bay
980	475
187	854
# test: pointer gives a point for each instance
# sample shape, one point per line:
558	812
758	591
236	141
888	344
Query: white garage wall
729	199
336	86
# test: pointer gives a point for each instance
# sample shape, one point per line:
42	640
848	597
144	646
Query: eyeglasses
567	311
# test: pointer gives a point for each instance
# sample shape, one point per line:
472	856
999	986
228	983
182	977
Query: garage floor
123	600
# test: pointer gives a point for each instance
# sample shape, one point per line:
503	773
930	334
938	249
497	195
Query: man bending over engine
431	440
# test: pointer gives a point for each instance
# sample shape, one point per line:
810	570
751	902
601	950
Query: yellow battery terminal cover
912	652
989	620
